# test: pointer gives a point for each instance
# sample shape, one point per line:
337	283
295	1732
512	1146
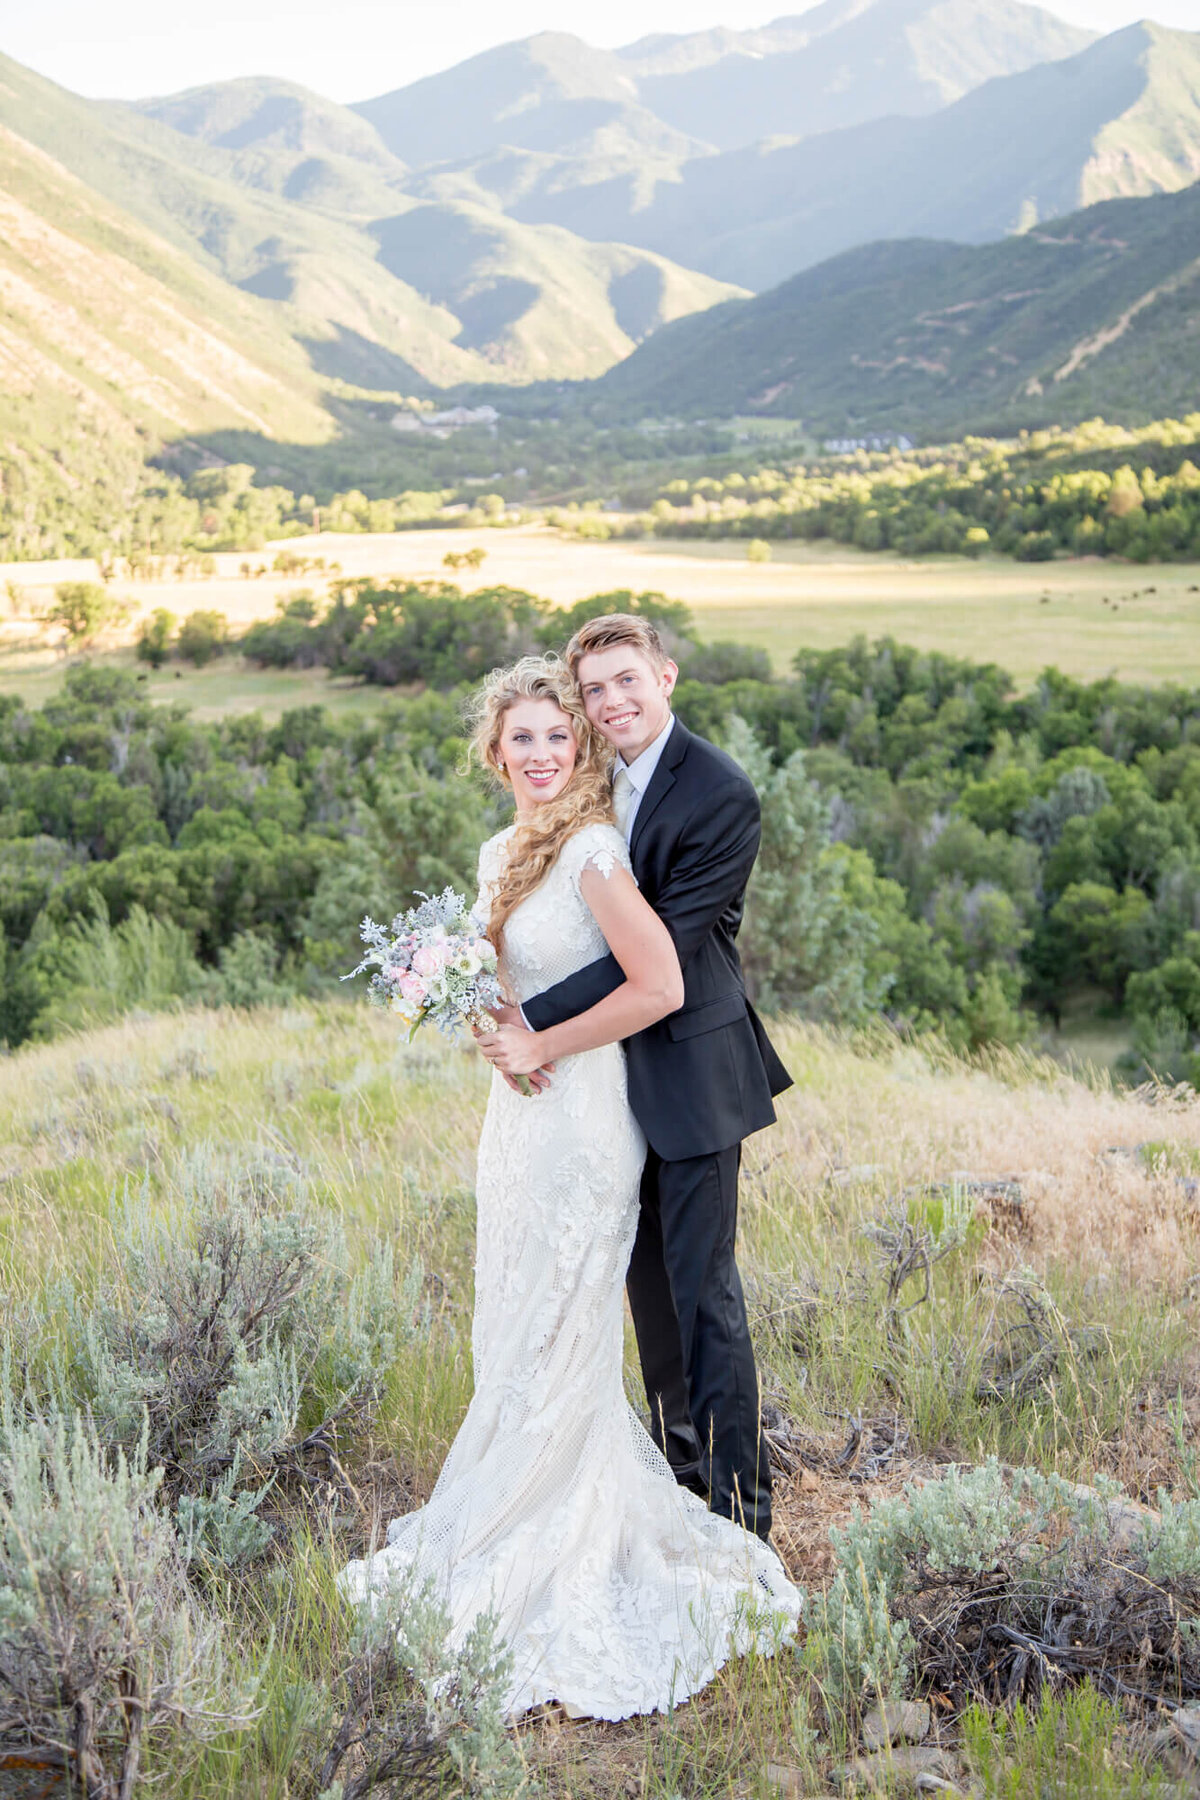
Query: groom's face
626	695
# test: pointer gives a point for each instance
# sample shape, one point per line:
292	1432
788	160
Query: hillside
1121	117
111	338
1096	312
309	1124
294	200
286	140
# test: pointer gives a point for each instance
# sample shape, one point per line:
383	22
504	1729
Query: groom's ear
670	675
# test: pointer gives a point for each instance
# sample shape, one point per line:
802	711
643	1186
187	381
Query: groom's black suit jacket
703	1078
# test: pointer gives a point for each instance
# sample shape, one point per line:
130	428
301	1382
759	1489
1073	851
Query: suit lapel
661	783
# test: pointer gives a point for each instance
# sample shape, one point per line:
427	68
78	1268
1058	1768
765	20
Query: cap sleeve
599	847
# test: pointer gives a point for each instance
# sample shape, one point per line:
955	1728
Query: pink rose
413	988
428	959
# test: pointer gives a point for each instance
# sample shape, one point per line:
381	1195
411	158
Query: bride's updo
585	800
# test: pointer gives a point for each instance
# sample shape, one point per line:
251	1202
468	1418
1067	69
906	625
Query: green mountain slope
1097	312
111	340
243	197
362	323
98	307
1122	117
286	140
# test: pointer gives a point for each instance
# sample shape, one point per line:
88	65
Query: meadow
1087	617
1040	1309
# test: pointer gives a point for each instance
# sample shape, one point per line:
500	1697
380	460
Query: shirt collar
641	770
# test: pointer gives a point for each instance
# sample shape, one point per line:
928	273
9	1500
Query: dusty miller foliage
235	1341
992	1583
103	1645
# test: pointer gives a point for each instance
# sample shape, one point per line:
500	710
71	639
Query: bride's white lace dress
616	1590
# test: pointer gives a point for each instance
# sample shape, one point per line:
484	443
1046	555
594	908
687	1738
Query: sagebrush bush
235	1340
963	1583
416	1710
103	1646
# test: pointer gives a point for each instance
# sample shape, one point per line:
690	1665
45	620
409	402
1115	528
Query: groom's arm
566	999
708	873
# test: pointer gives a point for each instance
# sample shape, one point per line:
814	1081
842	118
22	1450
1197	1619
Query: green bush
951	1583
231	1334
202	637
154	638
84	609
104	1650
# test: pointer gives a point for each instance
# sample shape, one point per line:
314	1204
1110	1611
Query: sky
351	50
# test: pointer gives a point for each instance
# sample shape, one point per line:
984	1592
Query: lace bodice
553	932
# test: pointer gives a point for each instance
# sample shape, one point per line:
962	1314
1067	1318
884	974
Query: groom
700	1080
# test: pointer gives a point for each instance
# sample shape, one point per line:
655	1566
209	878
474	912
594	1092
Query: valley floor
1089	617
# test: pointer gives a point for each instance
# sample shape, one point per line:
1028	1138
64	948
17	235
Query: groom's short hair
611	629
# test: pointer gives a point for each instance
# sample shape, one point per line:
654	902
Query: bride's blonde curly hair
585	800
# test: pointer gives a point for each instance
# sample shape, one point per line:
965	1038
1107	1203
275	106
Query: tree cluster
1097	490
936	846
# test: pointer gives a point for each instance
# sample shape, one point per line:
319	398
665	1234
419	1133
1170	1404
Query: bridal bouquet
433	963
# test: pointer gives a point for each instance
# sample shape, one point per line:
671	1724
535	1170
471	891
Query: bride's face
538	748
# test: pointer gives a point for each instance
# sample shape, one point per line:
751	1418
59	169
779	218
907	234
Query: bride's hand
513	1049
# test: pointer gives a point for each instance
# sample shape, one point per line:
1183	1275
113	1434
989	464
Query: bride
615	1589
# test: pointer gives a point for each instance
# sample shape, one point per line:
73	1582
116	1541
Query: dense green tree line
936	847
1091	489
163	516
1049	494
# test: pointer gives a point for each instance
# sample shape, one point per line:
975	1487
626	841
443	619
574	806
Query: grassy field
1100	1225
1088	618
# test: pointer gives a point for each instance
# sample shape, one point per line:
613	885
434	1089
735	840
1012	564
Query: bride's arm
653	984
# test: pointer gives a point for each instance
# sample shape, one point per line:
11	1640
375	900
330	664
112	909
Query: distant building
440	424
847	446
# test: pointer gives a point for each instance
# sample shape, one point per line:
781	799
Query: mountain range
251	255
1097	313
1120	117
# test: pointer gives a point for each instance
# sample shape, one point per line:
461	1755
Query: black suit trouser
690	1317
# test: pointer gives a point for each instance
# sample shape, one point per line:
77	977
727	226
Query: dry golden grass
1091	1204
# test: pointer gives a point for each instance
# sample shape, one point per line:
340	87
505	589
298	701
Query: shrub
417	1711
154	638
95	971
758	551
292	639
235	1342
103	1648
963	1582
84	609
803	944
203	636
726	661
248	973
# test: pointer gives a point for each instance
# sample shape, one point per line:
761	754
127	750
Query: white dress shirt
641	772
